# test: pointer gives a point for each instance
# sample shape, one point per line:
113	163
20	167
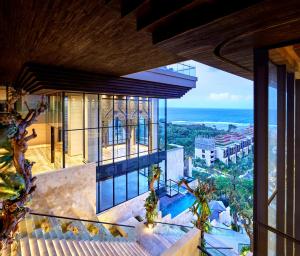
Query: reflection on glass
143	180
132	111
91	111
161	110
74	111
74	148
272	142
161	136
106	111
132	184
91	145
154	111
106	194
120	192
153	137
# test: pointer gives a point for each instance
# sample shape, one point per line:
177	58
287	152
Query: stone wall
175	163
67	192
187	245
125	211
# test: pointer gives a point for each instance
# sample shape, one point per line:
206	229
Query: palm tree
200	207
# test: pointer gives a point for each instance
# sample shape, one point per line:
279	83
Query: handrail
174	181
278	232
204	251
70	218
223	228
172	224
272	196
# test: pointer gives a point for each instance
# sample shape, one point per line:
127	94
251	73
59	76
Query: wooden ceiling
223	34
119	37
87	35
289	56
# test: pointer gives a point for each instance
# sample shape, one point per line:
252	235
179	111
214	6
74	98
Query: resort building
103	130
226	147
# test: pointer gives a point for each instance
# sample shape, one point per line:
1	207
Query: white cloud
228	96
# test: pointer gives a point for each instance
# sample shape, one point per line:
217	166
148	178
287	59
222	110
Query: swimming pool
178	206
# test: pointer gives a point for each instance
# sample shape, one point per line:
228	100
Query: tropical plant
17	183
239	192
152	200
245	250
93	230
200	208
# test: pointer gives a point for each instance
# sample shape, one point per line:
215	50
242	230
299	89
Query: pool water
178	206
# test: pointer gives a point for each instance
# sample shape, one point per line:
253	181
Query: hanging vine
16	181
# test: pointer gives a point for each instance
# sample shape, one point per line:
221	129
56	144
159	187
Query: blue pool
176	205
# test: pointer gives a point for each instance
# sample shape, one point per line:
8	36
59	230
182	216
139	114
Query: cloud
228	96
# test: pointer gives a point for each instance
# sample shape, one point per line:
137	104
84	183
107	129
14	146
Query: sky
216	89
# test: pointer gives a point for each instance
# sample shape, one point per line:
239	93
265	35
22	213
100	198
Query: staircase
51	236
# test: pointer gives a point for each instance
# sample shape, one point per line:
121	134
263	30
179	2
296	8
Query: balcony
182	68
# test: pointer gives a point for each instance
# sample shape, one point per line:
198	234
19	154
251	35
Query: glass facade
124	135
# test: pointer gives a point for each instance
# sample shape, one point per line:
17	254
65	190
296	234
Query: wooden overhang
41	79
120	37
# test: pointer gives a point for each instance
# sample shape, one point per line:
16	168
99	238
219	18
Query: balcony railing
182	68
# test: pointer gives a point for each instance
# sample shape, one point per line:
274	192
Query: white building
226	147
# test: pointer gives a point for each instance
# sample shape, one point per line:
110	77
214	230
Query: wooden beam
157	11
290	186
42	79
297	165
281	167
261	80
198	16
128	6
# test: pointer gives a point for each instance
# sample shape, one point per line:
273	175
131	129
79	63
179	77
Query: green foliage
12	185
6	154
152	200
151	207
185	135
199	162
245	250
200	207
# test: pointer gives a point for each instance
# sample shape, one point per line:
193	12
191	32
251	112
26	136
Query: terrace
56	48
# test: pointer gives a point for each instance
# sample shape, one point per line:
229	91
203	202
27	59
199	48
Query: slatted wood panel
41	79
85	35
226	42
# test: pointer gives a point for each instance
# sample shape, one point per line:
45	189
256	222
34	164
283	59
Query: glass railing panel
170	232
172	188
182	68
210	250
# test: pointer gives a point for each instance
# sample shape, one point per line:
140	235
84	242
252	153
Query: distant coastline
218	118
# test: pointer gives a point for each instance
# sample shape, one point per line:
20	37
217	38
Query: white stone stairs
34	241
62	247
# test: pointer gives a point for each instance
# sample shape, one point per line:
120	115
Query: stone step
24	244
34	248
50	247
72	248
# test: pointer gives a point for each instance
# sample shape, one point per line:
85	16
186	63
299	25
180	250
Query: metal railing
172	188
210	250
77	219
182	68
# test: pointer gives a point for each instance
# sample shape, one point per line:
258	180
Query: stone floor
40	154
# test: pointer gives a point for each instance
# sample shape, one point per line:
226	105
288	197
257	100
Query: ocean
219	118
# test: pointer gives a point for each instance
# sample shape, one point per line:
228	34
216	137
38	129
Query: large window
124	135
